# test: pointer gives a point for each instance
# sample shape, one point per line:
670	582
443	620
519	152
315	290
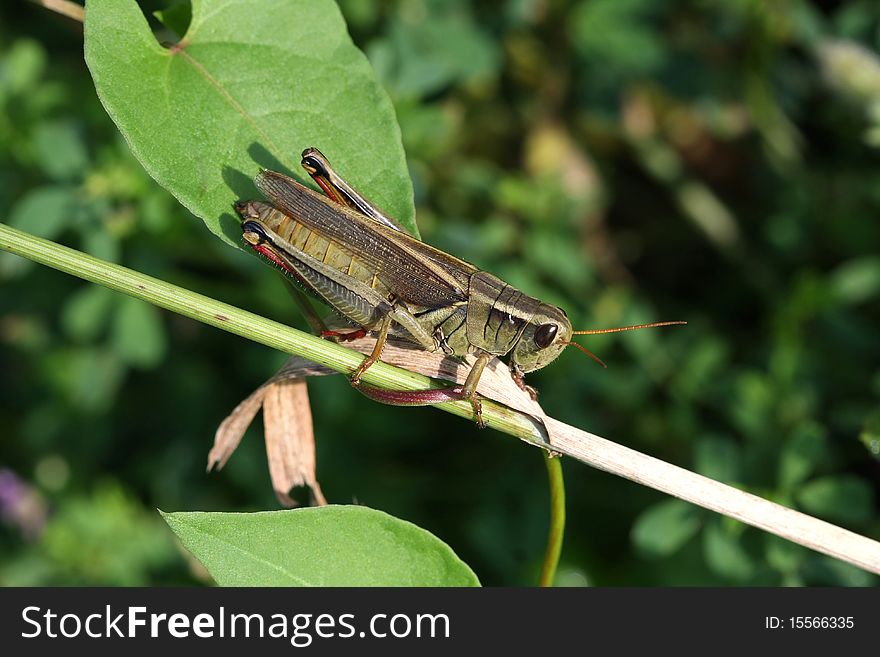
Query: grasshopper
364	265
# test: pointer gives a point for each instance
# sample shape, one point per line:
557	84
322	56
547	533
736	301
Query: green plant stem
254	327
557	519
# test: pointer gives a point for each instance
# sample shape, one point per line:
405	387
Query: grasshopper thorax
545	336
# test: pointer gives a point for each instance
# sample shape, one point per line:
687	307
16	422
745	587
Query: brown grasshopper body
361	263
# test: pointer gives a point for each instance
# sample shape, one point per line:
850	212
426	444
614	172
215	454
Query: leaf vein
224	93
253	556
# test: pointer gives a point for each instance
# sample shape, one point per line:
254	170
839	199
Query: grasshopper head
546	335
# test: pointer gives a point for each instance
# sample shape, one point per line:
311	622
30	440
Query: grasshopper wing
412	270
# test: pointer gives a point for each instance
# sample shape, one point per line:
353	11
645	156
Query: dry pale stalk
612	457
64	7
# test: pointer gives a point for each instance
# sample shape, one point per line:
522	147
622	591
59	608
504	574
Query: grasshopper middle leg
376	354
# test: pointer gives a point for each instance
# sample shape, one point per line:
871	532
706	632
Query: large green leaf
249	86
326	546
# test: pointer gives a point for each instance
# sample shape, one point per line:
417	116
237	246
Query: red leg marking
423	398
345	336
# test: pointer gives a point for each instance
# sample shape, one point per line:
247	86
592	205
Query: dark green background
627	160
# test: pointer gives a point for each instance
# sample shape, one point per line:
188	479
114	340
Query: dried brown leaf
288	432
232	429
290	439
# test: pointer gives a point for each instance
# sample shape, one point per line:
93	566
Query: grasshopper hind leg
345	336
465	392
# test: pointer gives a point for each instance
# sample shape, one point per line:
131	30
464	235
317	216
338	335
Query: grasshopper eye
545	334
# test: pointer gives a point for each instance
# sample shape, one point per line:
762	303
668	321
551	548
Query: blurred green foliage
629	161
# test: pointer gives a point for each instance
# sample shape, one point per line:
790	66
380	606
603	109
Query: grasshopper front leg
519	379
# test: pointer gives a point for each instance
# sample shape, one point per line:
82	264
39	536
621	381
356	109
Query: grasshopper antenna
587	352
619	329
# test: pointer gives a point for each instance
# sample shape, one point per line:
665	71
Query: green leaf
802	454
86	312
138	335
718	458
783	555
101	243
60	150
325	546
106	538
841	498
249	86
24	65
422	57
665	527
826	571
88	378
857	280
725	555
870	434
44	212
619	34
176	16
